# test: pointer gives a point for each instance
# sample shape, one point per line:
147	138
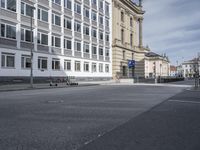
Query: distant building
173	71
191	67
156	65
179	71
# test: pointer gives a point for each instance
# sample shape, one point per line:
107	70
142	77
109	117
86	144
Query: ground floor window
100	67
42	63
86	66
7	60
25	61
94	67
107	68
67	64
77	66
55	64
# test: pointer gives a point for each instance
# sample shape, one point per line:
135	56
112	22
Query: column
140	32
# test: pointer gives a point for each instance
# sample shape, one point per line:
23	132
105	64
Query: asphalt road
172	125
67	119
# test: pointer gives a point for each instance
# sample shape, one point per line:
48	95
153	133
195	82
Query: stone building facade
127	38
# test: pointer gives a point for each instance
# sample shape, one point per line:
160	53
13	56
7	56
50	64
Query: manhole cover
55	101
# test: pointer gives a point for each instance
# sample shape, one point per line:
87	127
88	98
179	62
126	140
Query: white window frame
66	63
107	68
68	4
57	2
53	42
86	67
40	39
5	31
66	42
86	30
40	60
76	8
5	64
86	47
23	36
54	20
67	21
100	67
40	14
77	68
76	42
24	61
76	29
53	64
24	5
6	5
94	67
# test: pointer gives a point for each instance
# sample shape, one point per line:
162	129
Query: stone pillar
140	32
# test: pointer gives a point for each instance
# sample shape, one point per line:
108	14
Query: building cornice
132	6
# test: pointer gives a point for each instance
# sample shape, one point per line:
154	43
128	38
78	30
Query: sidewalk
18	87
172	125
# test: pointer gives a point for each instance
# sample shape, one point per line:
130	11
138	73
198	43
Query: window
42	15
101	4
94	32
77	26
55	64
94	67
100	35
55	19
124	55
86	30
131	39
8	31
26	35
94	50
107	68
67	65
100	51
107	22
7	60
131	22
57	1
94	2
25	62
27	10
77	66
77	46
122	36
107	37
56	41
77	8
9	4
68	4
100	67
86	12
94	16
86	66
101	19
67	44
42	38
86	48
68	23
122	16
107	9
107	53
42	63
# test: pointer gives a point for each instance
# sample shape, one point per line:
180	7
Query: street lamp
31	25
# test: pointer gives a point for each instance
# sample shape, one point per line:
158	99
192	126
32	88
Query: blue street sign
131	63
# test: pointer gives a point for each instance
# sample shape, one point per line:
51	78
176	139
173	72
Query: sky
172	27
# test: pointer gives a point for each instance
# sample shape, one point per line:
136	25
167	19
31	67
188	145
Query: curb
48	87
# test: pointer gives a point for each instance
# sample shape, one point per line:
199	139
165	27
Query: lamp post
31	34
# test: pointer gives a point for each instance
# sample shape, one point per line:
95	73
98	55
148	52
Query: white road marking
181	101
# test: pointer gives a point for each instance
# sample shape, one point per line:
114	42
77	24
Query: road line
181	101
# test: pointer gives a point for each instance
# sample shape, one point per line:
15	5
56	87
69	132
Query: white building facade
190	68
70	38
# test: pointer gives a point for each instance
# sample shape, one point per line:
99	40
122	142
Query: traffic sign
131	63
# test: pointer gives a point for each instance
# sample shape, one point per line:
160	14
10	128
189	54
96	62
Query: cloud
173	27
